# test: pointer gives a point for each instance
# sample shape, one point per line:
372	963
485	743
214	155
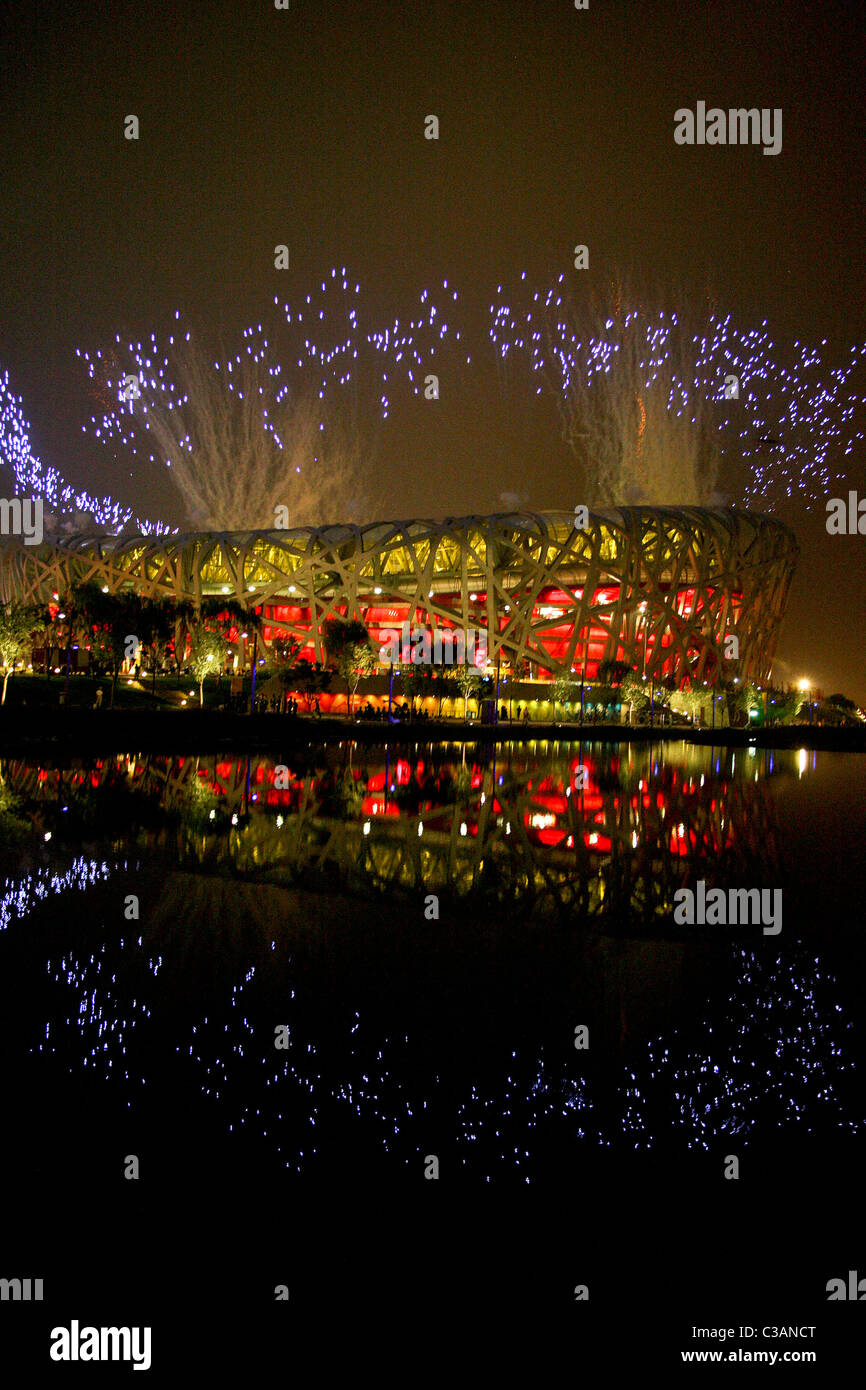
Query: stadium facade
660	589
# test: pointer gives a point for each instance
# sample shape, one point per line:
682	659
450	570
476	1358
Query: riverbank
77	732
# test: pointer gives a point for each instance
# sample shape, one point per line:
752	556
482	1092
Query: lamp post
255	653
641	622
583	679
68	661
806	688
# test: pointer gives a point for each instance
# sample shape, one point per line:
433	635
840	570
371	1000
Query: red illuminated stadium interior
553	639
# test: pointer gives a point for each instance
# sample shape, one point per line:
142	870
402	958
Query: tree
216	616
469	683
310	680
613	672
665	689
222	614
347	644
18	621
444	689
690	702
206	632
158	618
357	661
338	633
611	676
111	620
740	698
838	709
785	705
562	689
78	605
206	654
419	682
287	654
636	691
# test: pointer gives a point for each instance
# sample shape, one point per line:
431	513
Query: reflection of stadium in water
602	830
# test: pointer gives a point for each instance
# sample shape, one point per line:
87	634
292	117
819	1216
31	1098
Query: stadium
659	589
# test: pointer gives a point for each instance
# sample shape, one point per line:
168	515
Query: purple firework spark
33	478
791	425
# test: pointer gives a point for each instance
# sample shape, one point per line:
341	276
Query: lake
345	966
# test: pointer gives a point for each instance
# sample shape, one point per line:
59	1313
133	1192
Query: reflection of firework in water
774	1058
769	1056
19	898
211	970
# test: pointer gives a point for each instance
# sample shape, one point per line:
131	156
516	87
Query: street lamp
806	688
583	676
253	686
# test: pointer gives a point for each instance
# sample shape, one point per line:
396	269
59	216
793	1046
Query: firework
718	390
288	418
293	413
32	478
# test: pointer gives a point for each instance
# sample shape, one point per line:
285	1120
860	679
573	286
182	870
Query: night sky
306	127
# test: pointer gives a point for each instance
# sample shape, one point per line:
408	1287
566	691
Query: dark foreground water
446	986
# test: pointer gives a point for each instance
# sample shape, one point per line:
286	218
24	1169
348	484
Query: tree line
156	634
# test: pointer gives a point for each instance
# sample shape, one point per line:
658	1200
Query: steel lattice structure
659	588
